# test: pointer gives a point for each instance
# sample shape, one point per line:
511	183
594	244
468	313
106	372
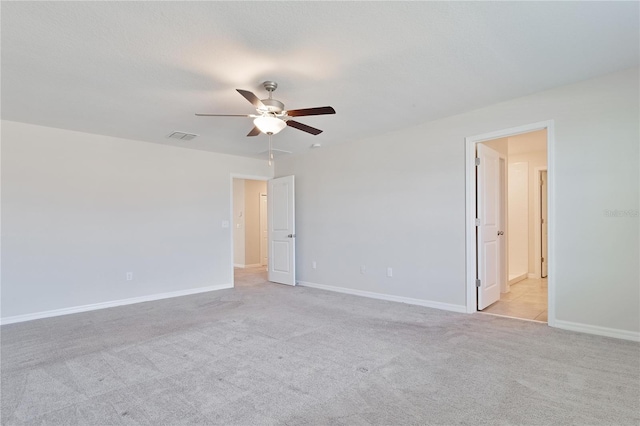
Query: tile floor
258	273
527	299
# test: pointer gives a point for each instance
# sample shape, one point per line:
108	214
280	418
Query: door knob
291	236
500	232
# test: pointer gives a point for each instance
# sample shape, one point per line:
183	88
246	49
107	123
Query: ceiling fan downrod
270	86
271	105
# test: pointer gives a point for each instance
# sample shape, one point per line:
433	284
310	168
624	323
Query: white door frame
537	237
231	178
470	189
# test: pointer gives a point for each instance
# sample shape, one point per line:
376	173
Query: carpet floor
264	353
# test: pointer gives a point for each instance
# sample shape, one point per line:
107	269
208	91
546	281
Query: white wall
252	191
531	148
238	222
80	210
398	200
518	218
534	160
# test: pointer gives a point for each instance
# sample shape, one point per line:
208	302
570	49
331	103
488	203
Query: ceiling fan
271	117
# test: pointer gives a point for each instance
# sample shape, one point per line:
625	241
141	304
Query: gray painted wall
80	210
398	200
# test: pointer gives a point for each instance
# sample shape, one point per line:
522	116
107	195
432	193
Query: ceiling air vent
182	136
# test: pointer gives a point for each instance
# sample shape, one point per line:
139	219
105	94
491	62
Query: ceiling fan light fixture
269	125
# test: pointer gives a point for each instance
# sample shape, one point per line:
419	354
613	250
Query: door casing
470	215
538	240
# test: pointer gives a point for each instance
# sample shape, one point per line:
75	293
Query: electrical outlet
363	269
389	272
129	276
314	265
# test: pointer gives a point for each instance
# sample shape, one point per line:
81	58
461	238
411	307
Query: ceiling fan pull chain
270	151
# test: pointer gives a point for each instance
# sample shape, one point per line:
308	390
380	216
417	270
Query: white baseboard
517	278
389	297
253	265
110	304
597	330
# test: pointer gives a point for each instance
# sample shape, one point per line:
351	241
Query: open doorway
507	189
524	293
263	228
250	235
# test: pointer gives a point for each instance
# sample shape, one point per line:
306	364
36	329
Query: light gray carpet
269	354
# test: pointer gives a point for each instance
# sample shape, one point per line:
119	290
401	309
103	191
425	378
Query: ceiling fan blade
254	132
311	111
303	127
251	98
223	115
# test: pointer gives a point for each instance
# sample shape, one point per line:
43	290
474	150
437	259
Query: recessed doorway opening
248	218
263	228
250	231
249	223
509	210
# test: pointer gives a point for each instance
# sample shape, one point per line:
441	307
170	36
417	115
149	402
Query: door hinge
477	222
543	260
477	283
477	161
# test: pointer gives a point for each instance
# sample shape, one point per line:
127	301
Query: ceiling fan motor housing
273	105
270	86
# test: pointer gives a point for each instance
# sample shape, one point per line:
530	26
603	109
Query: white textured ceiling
140	70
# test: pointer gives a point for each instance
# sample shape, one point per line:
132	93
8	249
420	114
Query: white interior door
543	223
264	232
281	218
488	213
503	240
